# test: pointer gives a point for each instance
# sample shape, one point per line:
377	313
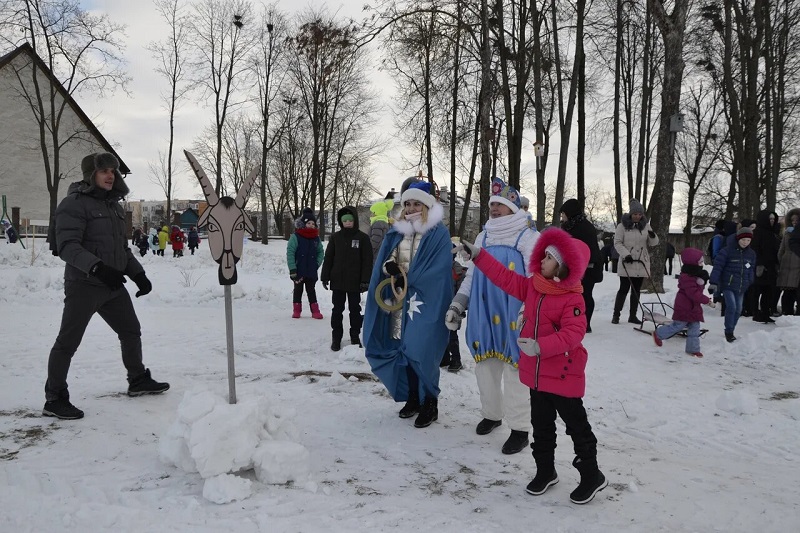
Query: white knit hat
553	251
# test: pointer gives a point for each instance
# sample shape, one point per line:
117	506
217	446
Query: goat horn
244	190
205	183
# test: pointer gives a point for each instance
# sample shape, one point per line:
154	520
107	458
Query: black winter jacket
765	244
583	230
348	256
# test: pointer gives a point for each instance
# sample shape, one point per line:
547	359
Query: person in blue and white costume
492	320
404	347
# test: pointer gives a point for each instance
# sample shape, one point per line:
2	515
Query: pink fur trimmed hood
574	253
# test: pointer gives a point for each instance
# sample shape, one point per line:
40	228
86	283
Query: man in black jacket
347	268
90	237
574	222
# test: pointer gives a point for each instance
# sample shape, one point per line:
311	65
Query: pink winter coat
691	283
556	321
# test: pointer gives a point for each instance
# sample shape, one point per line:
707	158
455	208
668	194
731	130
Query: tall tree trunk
485	105
454	118
541	162
616	117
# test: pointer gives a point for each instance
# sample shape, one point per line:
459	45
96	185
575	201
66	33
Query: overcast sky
137	124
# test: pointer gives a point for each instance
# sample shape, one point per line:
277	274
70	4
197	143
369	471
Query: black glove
712	289
392	268
651	233
628	259
325	285
293	274
111	277
364	287
143	283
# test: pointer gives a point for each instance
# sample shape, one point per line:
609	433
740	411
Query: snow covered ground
687	444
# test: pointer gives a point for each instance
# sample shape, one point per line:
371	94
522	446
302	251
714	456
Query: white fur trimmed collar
435	215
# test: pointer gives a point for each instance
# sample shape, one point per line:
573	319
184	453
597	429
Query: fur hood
574	252
435	215
627	222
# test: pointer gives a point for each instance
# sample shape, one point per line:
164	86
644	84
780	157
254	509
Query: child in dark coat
733	273
688	312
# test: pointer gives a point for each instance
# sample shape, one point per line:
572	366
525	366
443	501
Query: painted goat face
226	221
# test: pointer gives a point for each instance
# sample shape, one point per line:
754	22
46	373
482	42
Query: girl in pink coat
553	360
688	310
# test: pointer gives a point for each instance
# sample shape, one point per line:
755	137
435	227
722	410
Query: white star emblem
413	306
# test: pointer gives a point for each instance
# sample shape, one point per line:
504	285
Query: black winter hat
94	162
571	208
308	214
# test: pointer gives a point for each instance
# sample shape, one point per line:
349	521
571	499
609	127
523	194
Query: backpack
154	240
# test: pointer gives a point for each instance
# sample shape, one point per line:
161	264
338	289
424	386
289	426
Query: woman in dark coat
765	244
574	222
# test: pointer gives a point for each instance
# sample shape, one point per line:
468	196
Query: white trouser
503	395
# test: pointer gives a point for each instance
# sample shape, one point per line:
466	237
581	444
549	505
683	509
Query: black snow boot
592	481
411	407
615	318
144	384
428	414
546	477
729	336
62	408
336	344
634	320
486	426
445	361
455	366
355	339
517	441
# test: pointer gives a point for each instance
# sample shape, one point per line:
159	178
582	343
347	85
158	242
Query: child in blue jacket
733	273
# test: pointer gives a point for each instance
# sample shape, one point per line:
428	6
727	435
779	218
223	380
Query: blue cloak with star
424	335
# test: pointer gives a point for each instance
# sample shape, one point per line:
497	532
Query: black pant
588	287
81	302
668	268
624	285
337	314
761	300
311	291
452	352
788	300
544	407
614	263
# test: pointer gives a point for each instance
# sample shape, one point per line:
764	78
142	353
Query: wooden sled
658	314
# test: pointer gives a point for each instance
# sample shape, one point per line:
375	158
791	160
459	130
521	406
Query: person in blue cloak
404	347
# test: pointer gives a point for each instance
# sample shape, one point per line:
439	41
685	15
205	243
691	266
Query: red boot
297	308
315	311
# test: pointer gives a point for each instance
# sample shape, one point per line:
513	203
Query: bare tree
171	54
83	51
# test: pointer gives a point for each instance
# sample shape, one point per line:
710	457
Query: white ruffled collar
435	215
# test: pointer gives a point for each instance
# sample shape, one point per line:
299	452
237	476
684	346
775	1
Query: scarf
549	286
505	228
570	223
308	233
696	271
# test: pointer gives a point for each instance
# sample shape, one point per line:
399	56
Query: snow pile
216	439
738	402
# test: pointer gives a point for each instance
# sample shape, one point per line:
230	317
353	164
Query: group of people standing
157	241
530	361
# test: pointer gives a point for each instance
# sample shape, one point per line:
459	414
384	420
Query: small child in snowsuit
553	359
688	312
143	243
733	273
176	239
304	256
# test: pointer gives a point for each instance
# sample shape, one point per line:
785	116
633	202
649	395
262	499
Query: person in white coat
492	320
631	239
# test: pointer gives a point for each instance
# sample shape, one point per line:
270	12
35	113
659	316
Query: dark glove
143	283
392	268
628	259
293	274
111	277
651	233
712	289
364	287
325	285
760	271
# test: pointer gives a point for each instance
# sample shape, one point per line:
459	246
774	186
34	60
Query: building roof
28	50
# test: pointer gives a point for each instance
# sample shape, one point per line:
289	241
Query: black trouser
81	302
452	352
787	301
588	287
761	300
668	267
311	291
544	407
614	263
625	285
337	314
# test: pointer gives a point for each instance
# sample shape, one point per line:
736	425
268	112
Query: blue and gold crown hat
505	194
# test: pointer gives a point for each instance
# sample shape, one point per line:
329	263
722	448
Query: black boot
592	481
516	442
546	477
355	338
428	414
486	426
615	318
455	365
336	344
412	405
445	361
62	408
144	384
633	320
729	336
